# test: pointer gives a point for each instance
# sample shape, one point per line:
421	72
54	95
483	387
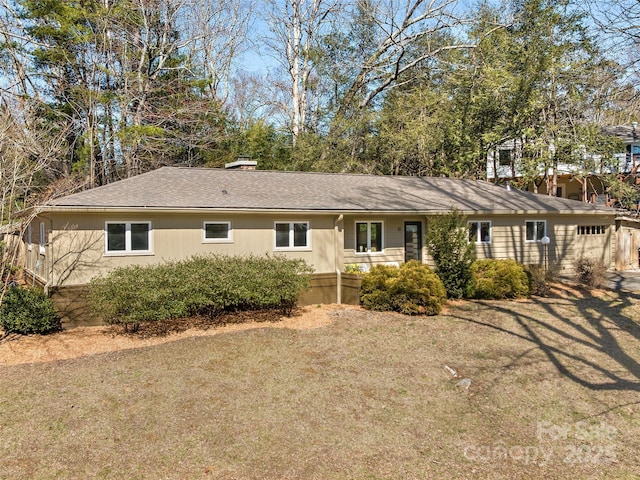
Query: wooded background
94	91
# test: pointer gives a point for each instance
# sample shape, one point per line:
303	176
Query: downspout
337	262
49	257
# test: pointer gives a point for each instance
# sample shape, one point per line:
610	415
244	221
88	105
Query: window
216	232
29	237
292	235
504	157
536	229
480	232
43	238
592	229
128	237
369	237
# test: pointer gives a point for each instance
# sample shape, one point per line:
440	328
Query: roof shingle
202	188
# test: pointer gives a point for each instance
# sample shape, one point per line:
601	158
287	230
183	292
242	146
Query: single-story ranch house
329	220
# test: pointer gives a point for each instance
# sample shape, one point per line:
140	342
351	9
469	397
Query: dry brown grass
366	395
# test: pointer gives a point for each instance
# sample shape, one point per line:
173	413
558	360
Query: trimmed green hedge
498	279
27	311
201	285
411	289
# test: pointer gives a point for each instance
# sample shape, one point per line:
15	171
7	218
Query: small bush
538	281
27	311
411	289
590	272
201	285
353	268
498	279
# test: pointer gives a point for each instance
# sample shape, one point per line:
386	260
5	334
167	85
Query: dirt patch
83	341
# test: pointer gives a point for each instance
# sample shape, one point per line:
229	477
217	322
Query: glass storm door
412	241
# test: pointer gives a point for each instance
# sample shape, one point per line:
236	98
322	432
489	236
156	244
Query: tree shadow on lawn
593	340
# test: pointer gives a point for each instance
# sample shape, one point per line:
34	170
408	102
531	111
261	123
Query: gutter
303	211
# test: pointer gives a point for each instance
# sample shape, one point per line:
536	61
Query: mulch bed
201	322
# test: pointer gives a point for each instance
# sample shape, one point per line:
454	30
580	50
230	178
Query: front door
412	241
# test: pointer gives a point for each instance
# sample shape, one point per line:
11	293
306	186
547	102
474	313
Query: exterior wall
509	240
74	249
77	242
393	239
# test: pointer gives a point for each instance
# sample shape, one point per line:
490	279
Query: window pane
540	230
473	231
530	231
216	231
376	237
300	234
116	237
504	157
139	236
282	235
485	232
361	237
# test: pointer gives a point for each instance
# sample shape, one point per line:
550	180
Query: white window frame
228	239
127	238
291	245
535	240
369	252
478	238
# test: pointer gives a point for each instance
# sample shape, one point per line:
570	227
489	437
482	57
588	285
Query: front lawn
553	391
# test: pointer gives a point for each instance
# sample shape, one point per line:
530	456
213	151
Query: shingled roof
175	188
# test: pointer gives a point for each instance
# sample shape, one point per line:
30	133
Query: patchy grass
554	393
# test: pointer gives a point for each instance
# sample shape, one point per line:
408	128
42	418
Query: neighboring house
329	220
574	181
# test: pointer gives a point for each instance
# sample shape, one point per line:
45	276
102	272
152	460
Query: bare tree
407	35
26	153
218	33
297	27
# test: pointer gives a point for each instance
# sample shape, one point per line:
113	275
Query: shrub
201	285
538	282
353	268
411	289
498	279
27	311
448	244
590	272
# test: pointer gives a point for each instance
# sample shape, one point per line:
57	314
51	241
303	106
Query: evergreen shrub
412	289
448	243
28	311
200	285
498	279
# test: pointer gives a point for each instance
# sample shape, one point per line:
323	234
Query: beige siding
78	245
393	239
509	240
75	248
